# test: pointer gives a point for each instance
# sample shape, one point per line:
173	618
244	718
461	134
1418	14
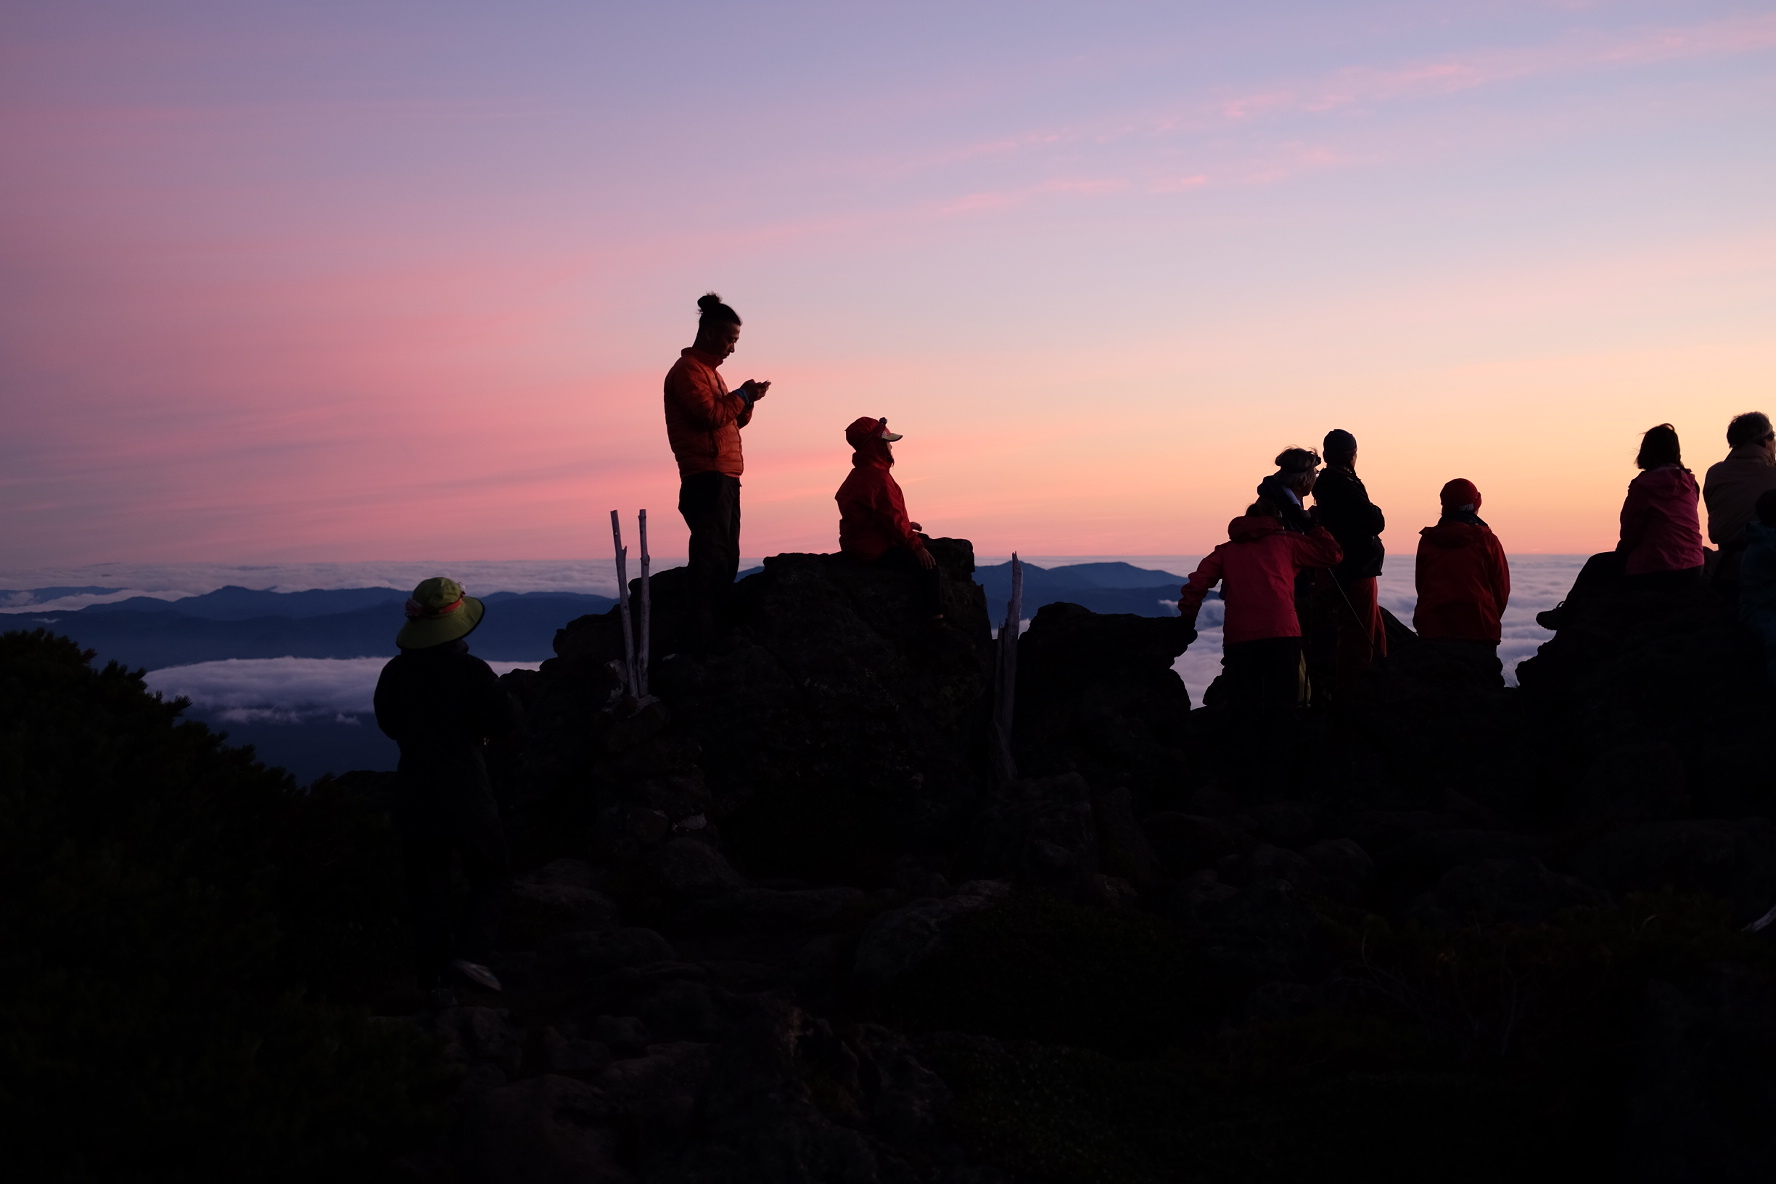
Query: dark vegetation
779	924
189	943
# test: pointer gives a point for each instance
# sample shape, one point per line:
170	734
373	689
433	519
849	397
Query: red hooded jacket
1660	528
872	511
1463	582
1259	565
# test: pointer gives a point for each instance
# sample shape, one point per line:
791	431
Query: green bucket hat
438	612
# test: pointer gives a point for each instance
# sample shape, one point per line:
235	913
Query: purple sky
352	281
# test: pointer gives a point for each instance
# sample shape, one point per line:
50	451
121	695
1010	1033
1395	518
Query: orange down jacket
703	420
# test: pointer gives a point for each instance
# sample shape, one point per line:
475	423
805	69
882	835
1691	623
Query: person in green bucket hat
443	705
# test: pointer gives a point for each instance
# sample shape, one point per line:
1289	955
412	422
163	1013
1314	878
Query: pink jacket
1259	564
1660	528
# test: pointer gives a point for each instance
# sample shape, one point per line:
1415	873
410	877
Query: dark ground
778	923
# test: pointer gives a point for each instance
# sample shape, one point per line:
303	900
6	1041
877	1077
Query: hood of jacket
871	452
1454	533
1249	528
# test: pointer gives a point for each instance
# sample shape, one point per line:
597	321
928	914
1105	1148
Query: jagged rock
899	941
1123	851
1041	831
1345	869
1187	842
572	1056
682	1009
782	1099
1520	890
558	896
1287	824
543	1130
1734	859
1261	932
652	1097
624	1035
1096	693
1417	862
1705	1089
594	951
691	868
481	1036
1634	783
769	908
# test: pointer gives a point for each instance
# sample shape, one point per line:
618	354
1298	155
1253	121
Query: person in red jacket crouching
873	523
1464	584
1261	634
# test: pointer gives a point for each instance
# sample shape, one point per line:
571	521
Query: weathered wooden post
645	640
623	604
1004	765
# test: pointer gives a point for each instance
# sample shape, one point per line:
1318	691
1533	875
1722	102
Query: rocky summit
783	918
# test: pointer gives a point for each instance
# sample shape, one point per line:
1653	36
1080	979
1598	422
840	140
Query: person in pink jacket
1660	548
1256	568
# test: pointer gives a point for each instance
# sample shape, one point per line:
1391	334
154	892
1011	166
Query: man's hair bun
715	312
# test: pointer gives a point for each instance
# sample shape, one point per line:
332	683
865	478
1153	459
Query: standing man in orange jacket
703	422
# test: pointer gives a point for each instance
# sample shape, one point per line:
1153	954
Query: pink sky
400	281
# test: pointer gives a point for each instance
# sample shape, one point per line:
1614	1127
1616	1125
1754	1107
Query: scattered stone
1734	859
899	941
1519	890
481	1036
544	1130
688	867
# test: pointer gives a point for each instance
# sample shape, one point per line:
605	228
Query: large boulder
1730	858
1096	693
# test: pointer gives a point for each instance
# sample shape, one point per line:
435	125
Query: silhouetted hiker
703	422
1288	487
1757	578
873	523
1731	490
1261	657
1661	542
1464	583
442	705
1346	599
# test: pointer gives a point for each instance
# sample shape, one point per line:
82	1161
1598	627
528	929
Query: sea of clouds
282	690
296	690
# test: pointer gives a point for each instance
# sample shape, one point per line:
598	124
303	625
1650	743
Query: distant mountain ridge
236	622
1112	587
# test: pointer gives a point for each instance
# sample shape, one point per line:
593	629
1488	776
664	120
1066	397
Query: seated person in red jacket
1261	634
1661	543
1463	583
873	523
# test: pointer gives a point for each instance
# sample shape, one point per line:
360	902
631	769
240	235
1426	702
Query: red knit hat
1460	492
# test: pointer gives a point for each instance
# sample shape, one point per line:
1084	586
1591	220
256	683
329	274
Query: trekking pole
641	670
1005	678
623	603
1368	631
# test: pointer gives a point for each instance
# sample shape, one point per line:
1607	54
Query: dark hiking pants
430	836
710	503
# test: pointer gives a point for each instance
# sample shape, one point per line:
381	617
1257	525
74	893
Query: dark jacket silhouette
442	705
1355	521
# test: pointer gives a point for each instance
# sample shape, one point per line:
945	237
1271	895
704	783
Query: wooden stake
641	669
1005	678
623	604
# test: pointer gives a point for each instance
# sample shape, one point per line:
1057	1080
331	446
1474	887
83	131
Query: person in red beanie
1464	583
873	524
